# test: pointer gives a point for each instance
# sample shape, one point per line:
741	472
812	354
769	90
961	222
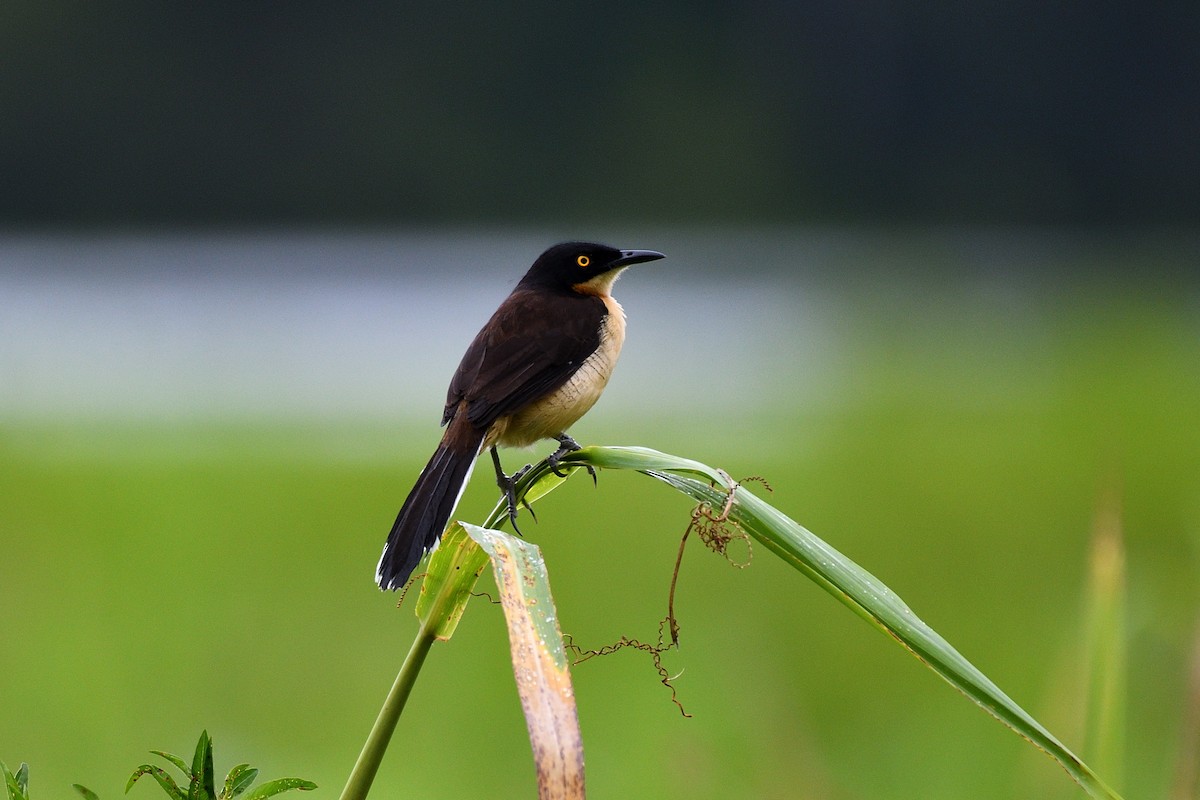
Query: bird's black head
583	266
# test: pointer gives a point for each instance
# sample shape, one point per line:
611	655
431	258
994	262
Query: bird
539	364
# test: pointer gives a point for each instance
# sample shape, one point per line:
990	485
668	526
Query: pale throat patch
601	285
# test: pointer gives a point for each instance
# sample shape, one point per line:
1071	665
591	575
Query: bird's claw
528	508
565	445
509	487
590	470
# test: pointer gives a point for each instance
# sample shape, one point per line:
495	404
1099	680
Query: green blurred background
932	273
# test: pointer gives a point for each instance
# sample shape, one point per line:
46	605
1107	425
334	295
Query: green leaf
159	774
449	580
272	788
238	780
87	793
852	585
176	760
203	784
17	785
539	660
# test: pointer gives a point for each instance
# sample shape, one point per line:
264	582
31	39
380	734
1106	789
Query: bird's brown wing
530	347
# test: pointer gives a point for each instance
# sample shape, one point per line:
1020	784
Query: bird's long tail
429	505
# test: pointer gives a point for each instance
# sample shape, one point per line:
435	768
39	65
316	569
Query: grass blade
856	588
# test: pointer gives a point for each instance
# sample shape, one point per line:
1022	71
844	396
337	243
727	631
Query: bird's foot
512	513
508	485
567	445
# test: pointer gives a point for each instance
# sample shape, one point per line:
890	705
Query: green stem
359	782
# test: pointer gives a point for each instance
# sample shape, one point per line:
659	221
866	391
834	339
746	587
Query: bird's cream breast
559	410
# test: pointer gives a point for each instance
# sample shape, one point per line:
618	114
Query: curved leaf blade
159	774
450	577
854	586
272	788
540	663
176	760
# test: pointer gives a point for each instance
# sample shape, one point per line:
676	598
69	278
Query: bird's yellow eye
583	261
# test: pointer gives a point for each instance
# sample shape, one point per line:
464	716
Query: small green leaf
449	579
159	774
17	785
272	788
176	760
87	793
203	753
238	781
203	785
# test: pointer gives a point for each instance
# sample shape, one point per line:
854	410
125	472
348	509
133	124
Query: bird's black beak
635	257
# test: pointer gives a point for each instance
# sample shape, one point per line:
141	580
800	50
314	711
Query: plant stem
359	782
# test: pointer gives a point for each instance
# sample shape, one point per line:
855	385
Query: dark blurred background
145	113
